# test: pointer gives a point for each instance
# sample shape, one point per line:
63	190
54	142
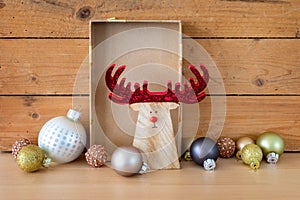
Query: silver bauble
127	160
63	138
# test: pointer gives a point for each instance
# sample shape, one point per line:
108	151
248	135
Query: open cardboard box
151	50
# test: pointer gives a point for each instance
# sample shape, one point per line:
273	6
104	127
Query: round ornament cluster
226	147
63	140
96	156
18	145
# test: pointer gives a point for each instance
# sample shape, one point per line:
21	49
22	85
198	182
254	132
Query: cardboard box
152	51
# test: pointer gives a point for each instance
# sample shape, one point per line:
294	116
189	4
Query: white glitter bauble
63	138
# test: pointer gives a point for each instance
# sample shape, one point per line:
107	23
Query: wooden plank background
254	43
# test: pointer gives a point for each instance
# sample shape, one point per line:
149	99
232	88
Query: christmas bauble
96	156
240	143
204	151
272	145
63	138
18	145
31	158
127	160
187	156
226	147
252	155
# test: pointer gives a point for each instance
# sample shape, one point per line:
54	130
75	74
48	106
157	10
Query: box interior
151	50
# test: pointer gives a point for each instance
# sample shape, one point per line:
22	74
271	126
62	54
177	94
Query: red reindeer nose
153	119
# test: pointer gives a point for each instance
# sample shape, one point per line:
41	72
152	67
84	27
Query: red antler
124	95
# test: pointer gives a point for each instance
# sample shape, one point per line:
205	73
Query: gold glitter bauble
30	158
226	147
18	145
96	156
252	155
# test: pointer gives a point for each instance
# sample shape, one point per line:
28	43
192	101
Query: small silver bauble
127	161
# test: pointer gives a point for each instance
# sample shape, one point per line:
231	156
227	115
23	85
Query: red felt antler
124	95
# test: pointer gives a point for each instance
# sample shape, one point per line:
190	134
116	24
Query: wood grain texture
44	66
270	66
245	116
24	116
213	18
45	42
60	66
77	180
252	115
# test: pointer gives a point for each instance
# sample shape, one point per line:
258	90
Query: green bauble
30	158
272	145
252	155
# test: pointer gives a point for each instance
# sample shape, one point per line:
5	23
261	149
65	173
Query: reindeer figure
154	133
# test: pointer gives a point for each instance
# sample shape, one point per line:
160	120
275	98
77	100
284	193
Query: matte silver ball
127	160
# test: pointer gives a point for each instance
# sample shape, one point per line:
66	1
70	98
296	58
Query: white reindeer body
154	134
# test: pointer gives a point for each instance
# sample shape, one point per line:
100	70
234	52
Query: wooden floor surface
231	180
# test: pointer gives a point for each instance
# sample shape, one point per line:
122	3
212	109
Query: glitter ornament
18	145
127	161
252	154
240	143
204	151
96	156
272	146
63	138
31	158
226	147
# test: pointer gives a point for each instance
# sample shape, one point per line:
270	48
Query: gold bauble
240	143
252	155
30	158
187	156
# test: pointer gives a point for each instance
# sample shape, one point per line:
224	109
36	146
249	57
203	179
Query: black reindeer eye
150	112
